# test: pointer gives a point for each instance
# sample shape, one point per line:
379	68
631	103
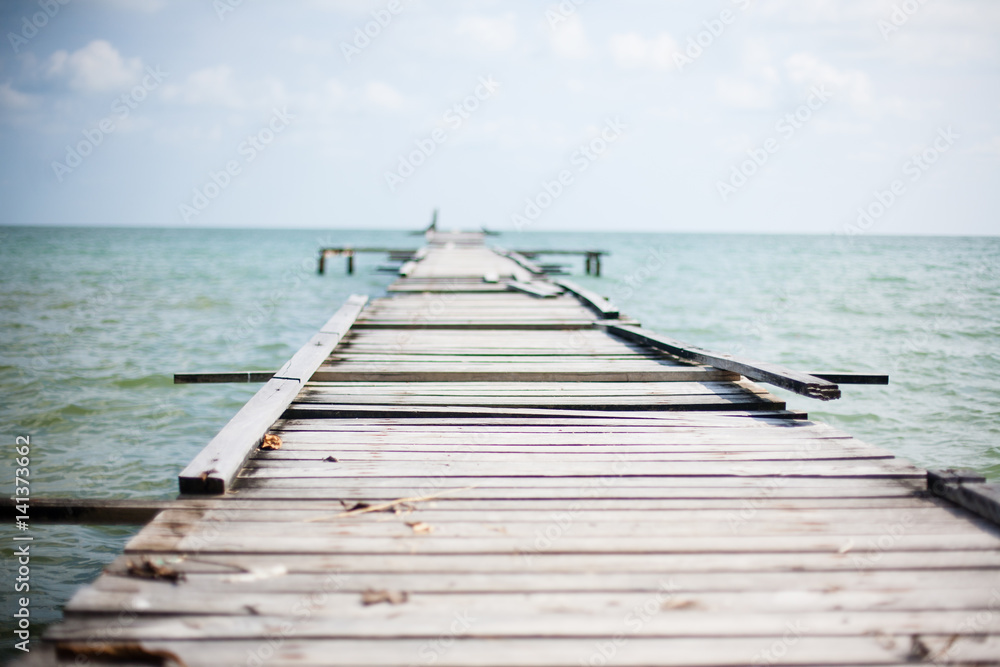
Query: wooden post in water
322	261
350	262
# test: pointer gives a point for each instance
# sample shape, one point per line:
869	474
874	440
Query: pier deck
475	475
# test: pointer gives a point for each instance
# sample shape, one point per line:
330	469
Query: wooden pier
490	468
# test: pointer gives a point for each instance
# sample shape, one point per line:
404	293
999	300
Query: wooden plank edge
539	290
96	511
967	489
853	378
214	468
224	377
786	378
520	260
592	300
371	410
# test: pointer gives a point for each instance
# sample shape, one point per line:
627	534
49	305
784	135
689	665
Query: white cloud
383	96
97	67
211	86
743	93
826	12
632	51
988	147
493	34
306	46
939	48
755	87
853	85
569	40
15	100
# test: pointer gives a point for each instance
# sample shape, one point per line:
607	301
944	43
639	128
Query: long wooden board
219	463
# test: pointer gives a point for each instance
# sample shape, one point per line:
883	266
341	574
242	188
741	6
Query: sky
748	116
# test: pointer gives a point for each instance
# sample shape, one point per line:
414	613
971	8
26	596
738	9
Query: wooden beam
212	471
967	489
853	378
779	376
592	300
520	260
539	290
94	511
209	378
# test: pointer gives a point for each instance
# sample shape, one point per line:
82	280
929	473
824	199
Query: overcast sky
673	115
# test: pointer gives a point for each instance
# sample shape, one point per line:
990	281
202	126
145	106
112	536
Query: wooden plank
526	468
523	262
203	586
331	411
592	300
387	623
561	325
628	651
242	376
388	489
315	541
968	491
543	562
352	373
91	511
786	378
853	378
180	600
921	518
212	470
540	290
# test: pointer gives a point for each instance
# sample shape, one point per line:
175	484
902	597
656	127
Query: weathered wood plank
388	623
603	307
544	562
786	378
212	470
558	652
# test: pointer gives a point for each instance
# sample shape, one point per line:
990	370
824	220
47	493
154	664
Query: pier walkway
491	468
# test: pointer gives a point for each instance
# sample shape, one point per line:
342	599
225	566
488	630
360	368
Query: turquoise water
94	322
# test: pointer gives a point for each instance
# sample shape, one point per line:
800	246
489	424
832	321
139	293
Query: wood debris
918	650
679	603
271	441
257	574
147	568
402	501
370	597
133	652
420	526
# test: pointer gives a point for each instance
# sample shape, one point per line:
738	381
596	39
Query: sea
94	322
